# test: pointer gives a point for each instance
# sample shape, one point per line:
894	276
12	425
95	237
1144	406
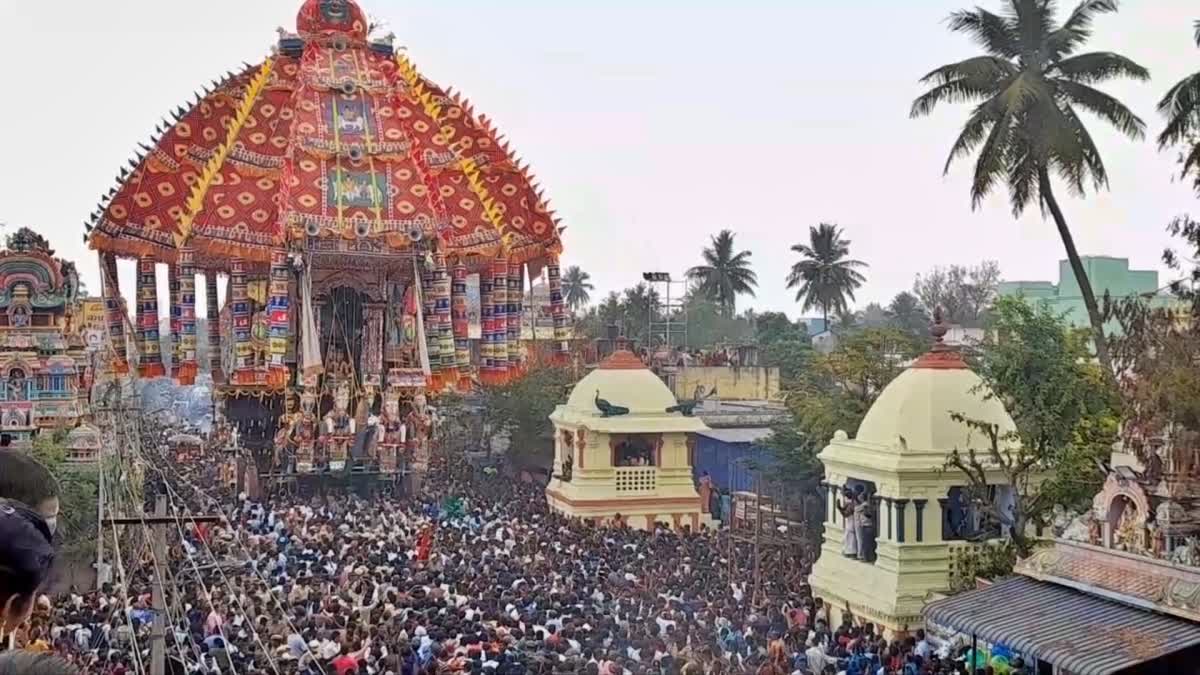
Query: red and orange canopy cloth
332	144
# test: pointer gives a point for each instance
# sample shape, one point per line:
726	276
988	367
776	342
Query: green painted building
1108	275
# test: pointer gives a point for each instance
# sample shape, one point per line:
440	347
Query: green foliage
773	327
1157	356
576	287
791	356
1064	410
724	275
905	313
78	489
826	277
1181	107
990	561
963	293
1027	90
709	325
832	392
522	408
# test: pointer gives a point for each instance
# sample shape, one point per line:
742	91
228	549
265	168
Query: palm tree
576	287
906	313
1181	107
1027	87
825	277
724	274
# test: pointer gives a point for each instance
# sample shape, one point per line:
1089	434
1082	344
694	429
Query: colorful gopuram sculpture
43	352
336	202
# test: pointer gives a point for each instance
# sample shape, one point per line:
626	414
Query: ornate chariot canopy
334	144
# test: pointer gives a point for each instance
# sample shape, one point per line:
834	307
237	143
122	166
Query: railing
637	480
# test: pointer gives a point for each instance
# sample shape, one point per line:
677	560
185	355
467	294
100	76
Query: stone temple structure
885	558
622	449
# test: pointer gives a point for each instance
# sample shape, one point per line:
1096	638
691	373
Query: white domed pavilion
619	453
917	514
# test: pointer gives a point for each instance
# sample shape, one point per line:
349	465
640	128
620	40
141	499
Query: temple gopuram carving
44	368
334	205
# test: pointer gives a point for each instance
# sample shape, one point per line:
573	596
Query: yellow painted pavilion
619	454
921	520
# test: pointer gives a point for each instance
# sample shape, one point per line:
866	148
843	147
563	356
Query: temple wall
733	383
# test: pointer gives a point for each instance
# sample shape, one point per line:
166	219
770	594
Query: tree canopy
825	277
963	293
576	287
1065	416
1028	87
725	274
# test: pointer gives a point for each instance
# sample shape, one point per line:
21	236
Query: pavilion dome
913	414
623	380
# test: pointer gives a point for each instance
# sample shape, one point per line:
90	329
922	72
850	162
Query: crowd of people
473	575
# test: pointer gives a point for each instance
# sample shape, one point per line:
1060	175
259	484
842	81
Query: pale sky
651	124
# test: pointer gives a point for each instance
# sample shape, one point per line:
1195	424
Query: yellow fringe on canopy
468	166
196	201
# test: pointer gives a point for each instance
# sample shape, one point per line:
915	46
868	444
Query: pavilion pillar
213	309
279	319
172	301
150	363
429	314
114	313
460	318
516	293
445	324
239	303
562	333
500	316
183	315
487	352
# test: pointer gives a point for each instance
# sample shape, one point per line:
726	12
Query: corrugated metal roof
1081	633
736	435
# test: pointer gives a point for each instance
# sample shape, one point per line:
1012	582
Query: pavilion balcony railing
637	479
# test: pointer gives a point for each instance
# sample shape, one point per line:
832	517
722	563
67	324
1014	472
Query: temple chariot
335	206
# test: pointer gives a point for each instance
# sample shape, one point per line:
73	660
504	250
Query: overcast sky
652	124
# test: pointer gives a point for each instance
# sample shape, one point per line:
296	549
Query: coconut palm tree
1028	86
724	274
825	277
906	313
1181	107
576	287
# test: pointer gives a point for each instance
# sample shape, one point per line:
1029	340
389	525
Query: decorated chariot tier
348	208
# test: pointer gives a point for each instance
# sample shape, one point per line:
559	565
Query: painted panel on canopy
261	146
330	196
330	123
327	69
240	216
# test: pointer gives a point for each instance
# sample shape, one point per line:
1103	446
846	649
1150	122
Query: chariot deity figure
337	429
306	432
392	427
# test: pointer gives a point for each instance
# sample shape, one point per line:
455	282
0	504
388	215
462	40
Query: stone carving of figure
1187	554
338	429
419	423
849	526
568	465
1130	535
